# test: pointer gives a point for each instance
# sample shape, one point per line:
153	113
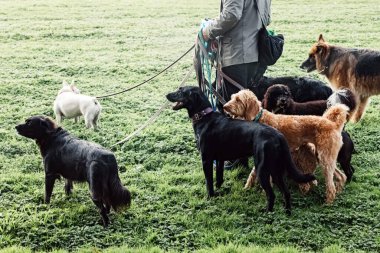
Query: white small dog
69	103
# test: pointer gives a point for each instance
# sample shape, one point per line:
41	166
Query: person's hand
205	35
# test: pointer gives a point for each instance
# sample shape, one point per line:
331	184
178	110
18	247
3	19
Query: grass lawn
106	46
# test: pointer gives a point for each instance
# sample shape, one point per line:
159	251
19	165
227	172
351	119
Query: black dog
77	160
303	89
278	99
221	138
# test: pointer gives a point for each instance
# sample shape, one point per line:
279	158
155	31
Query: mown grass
110	45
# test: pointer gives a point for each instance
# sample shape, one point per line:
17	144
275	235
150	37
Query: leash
154	116
218	70
151	78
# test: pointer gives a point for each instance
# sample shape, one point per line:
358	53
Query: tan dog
356	69
323	132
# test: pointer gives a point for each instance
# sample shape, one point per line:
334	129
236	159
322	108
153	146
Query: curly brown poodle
323	132
279	100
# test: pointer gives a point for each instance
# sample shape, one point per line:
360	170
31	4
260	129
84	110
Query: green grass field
106	46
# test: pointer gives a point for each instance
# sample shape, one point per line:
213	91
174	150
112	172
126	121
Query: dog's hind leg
251	179
219	173
87	121
341	179
345	155
279	181
96	197
95	121
265	184
68	186
207	169
95	181
108	208
358	114
330	186
102	210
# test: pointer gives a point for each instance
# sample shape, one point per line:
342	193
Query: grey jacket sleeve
229	17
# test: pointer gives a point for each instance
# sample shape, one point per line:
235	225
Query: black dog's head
277	98
189	97
317	56
37	127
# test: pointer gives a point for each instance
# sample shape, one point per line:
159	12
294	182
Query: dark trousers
246	75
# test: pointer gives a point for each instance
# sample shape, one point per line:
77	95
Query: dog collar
258	116
199	115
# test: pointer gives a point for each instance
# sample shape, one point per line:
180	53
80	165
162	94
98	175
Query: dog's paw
219	184
250	183
211	195
267	210
305	188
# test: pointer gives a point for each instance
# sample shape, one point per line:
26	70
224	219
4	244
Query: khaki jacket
237	28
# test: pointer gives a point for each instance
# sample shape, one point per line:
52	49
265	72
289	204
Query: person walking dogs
237	29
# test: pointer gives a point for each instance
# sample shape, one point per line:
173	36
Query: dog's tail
120	196
291	168
337	114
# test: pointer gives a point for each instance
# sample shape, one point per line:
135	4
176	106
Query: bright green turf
110	45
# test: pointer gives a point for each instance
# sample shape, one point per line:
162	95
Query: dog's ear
321	39
253	106
48	124
73	82
64	83
267	98
44	124
288	91
320	49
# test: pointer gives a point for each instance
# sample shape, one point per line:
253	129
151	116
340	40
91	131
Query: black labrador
221	138
77	160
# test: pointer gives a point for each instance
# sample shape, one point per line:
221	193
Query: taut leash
151	78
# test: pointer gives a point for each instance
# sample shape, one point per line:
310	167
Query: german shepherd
356	69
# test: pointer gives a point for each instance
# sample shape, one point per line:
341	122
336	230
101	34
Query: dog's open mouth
178	105
229	114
